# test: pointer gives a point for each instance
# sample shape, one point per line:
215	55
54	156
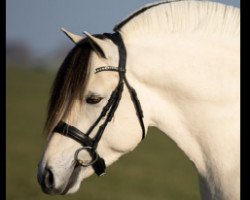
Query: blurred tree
18	54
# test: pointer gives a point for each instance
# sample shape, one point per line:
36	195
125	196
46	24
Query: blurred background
35	48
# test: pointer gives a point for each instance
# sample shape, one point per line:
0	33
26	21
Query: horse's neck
189	90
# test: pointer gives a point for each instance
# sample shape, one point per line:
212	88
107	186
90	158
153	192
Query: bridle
90	144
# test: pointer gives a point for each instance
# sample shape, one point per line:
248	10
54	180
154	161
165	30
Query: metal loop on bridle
93	155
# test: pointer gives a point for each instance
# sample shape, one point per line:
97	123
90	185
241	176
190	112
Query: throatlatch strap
117	39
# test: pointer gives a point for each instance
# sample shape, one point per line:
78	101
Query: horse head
91	119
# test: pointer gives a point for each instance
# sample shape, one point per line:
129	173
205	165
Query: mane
182	16
69	84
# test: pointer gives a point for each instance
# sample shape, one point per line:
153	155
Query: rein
90	144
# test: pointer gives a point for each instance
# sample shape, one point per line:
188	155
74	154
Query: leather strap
117	39
74	133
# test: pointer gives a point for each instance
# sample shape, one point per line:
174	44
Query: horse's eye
93	99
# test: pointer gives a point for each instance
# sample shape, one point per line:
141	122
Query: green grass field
156	170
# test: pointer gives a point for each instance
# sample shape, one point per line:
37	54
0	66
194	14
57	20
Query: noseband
90	144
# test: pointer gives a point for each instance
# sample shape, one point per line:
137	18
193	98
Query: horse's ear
73	37
101	47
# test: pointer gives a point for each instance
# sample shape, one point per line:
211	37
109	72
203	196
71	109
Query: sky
38	22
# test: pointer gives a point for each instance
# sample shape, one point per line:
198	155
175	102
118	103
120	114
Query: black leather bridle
90	144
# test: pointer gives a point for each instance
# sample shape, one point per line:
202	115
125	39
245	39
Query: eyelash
93	100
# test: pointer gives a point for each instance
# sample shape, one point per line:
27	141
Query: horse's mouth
72	179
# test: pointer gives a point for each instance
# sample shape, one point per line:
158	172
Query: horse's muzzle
46	180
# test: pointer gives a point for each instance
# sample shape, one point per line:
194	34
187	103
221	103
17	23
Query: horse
173	65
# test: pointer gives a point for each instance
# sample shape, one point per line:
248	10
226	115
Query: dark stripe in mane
69	84
120	25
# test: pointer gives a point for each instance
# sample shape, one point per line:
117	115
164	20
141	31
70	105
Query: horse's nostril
48	178
47	181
